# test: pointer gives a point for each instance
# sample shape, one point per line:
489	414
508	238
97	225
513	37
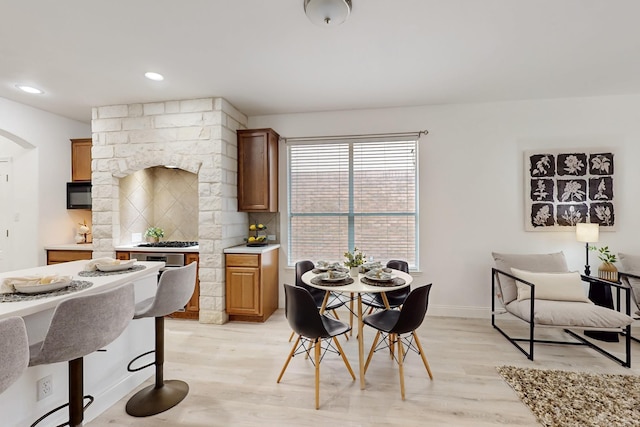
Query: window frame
351	214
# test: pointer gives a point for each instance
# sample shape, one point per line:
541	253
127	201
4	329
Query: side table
600	294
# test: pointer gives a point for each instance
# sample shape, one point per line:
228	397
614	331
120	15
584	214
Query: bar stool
14	352
79	326
175	288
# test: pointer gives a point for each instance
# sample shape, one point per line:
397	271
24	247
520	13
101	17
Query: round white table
359	288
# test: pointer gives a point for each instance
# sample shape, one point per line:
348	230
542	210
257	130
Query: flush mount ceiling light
327	13
154	76
30	89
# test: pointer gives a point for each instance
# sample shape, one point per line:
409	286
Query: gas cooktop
170	244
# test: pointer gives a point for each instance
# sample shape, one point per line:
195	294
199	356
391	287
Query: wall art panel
563	188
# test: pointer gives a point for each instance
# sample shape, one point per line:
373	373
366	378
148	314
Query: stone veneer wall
198	136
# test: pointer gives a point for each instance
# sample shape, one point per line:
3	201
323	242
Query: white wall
42	171
472	185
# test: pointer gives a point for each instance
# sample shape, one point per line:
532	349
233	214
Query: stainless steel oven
171	260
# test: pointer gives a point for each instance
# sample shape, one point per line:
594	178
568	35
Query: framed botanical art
563	188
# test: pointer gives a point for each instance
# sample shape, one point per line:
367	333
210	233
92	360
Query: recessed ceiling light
154	76
29	89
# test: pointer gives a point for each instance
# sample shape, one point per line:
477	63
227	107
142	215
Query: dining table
361	285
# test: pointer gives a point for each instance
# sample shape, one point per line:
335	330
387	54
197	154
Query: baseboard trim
459	311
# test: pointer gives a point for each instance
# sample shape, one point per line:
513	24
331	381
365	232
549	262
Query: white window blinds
353	192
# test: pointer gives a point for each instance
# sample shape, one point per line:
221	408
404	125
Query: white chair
175	288
80	326
630	277
540	290
14	351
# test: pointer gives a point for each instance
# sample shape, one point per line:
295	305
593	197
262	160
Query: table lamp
588	233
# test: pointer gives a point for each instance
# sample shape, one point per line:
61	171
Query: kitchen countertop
70	247
135	248
244	249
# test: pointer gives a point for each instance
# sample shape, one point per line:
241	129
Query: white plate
124	265
336	277
38	289
383	277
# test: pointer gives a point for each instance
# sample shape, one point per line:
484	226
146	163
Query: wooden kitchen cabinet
257	170
81	159
56	256
251	285
192	309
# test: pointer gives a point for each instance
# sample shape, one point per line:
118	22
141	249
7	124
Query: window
353	192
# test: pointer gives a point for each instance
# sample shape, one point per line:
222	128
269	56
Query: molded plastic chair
14	351
396	323
313	328
79	326
396	298
334	300
175	288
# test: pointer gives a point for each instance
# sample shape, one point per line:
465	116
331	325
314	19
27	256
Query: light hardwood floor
232	370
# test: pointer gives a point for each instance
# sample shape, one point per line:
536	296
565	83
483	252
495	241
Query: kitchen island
105	373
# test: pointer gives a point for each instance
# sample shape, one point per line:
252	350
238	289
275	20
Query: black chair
312	328
318	295
396	298
395	324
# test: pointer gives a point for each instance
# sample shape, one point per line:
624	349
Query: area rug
563	398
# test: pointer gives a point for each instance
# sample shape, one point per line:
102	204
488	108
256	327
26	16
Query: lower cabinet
192	309
56	256
251	285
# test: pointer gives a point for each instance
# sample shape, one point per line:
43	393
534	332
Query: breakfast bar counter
106	376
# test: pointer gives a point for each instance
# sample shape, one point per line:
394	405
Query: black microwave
79	195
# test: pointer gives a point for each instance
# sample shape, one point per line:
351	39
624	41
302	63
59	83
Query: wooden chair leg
346	362
401	367
291	336
424	358
284	368
373	347
318	340
392	341
351	313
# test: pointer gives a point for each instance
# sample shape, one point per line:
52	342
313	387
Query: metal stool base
153	400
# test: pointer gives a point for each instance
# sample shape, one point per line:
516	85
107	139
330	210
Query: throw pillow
551	286
542	263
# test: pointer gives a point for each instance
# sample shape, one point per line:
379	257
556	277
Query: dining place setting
110	266
38	286
32	287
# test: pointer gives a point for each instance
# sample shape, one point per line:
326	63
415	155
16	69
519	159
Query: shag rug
563	398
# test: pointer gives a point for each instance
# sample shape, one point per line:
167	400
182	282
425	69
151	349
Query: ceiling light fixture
30	89
327	13
154	76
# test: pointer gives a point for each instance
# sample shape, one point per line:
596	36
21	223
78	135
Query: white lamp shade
327	12
589	233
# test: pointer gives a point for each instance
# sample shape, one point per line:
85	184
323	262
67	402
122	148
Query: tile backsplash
160	197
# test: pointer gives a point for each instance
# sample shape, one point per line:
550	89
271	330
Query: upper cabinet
258	170
81	159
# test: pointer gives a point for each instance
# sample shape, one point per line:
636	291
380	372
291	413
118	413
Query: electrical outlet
271	237
44	387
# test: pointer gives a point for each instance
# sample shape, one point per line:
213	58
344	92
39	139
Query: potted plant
354	260
607	270
153	234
